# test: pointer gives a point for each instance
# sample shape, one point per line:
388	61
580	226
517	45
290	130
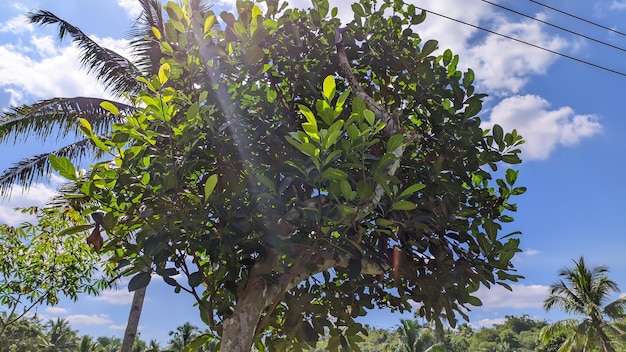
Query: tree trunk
133	320
239	329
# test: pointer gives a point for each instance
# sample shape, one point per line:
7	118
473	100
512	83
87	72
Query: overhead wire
555	26
579	18
526	43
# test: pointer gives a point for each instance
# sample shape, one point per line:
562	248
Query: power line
527	43
579	18
555	26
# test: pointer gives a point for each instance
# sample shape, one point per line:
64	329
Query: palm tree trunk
133	320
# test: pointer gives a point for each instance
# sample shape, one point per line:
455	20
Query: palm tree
182	336
415	337
60	336
87	344
584	291
153	346
57	117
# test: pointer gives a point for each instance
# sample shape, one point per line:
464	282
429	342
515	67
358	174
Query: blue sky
569	113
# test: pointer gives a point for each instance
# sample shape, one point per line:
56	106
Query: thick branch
392	121
330	259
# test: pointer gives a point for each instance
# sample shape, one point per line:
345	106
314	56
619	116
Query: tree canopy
297	171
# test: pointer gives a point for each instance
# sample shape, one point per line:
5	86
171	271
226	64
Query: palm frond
58	116
561	327
144	43
616	309
26	171
112	69
69	196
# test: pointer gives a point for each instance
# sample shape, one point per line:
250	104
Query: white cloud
132	7
530	252
542	129
117	327
618	5
83	319
16	25
117	297
46	46
521	297
37	195
491	322
56	310
21	71
502	65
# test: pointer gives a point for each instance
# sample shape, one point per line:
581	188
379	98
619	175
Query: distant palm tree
60	337
153	346
416	337
87	344
182	336
584	291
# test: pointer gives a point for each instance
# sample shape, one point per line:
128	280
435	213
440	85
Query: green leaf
473	107
429	47
358	10
267	182
498	134
63	166
195	279
346	189
369	116
394	142
308	114
110	107
209	187
75	229
197	343
475	301
334	174
342	100
138	281
329	88
412	189
403	205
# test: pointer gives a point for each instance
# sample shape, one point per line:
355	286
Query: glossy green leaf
63	166
140	280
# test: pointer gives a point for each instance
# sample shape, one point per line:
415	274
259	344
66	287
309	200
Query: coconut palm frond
112	69
616	309
69	196
59	117
26	171
144	43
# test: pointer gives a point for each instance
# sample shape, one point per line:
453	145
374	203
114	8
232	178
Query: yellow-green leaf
157	33
329	88
110	107
209	187
208	23
164	73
